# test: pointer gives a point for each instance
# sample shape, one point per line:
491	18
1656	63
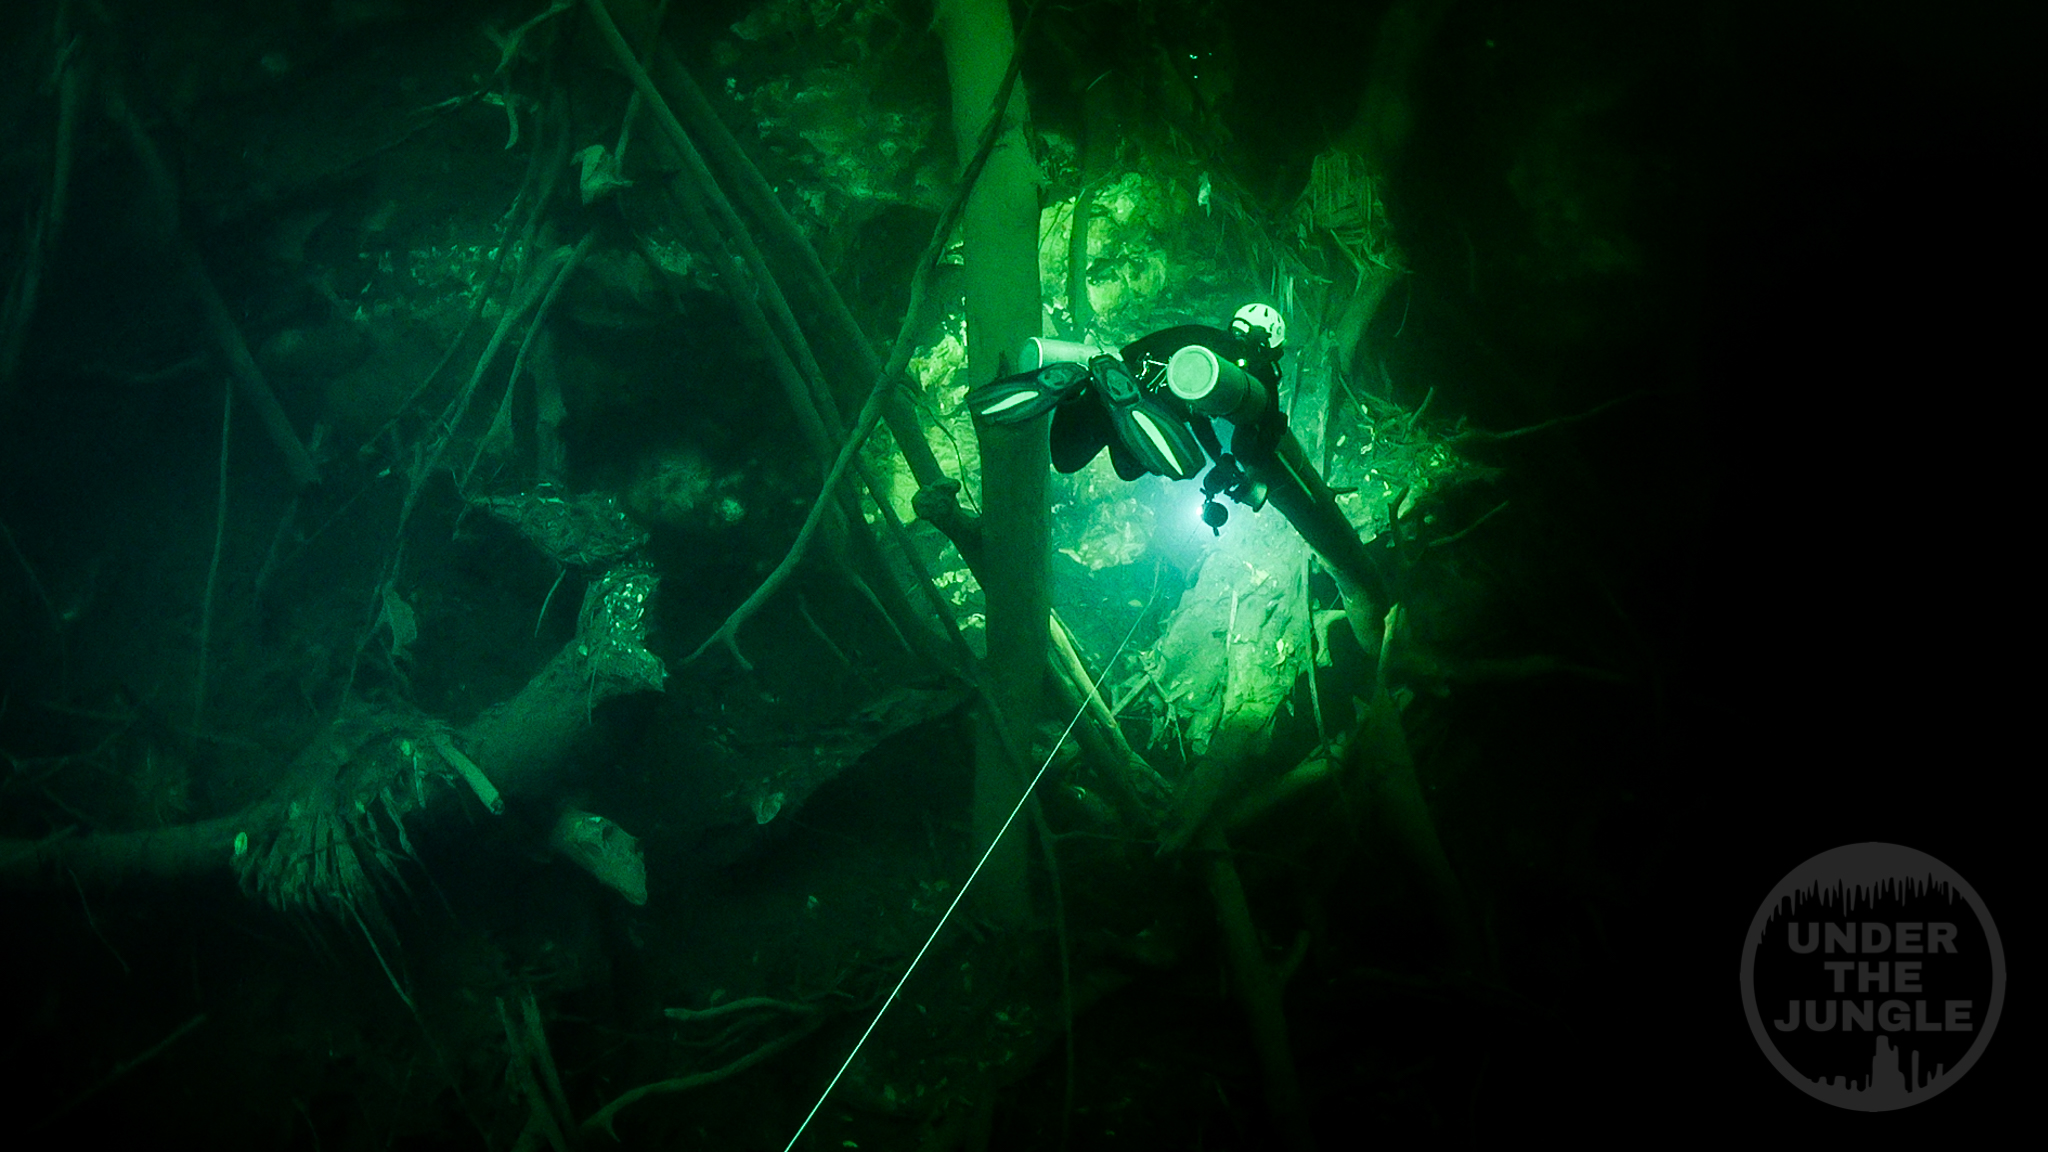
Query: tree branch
899	353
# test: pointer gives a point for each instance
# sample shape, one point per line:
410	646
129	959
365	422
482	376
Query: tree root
602	1119
533	1072
880	392
120	1070
18	306
744	1004
220	533
500	428
334	834
220	320
1258	991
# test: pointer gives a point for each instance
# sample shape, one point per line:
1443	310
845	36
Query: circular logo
1873	977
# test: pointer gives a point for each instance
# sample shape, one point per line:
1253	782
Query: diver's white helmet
1261	316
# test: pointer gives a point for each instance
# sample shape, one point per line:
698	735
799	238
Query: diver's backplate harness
1154	404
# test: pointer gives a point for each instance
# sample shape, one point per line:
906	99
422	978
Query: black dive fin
1159	440
1156	435
1027	395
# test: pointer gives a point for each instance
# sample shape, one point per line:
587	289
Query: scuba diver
1154	405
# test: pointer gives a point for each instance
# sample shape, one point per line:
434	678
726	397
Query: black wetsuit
1080	430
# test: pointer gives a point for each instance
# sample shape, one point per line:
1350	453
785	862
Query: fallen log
336	827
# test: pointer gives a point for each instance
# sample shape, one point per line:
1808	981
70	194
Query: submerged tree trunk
1001	232
338	816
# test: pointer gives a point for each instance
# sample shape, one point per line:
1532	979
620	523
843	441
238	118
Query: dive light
1212	385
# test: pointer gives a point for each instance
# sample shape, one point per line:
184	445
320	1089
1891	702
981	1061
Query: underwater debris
600	847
